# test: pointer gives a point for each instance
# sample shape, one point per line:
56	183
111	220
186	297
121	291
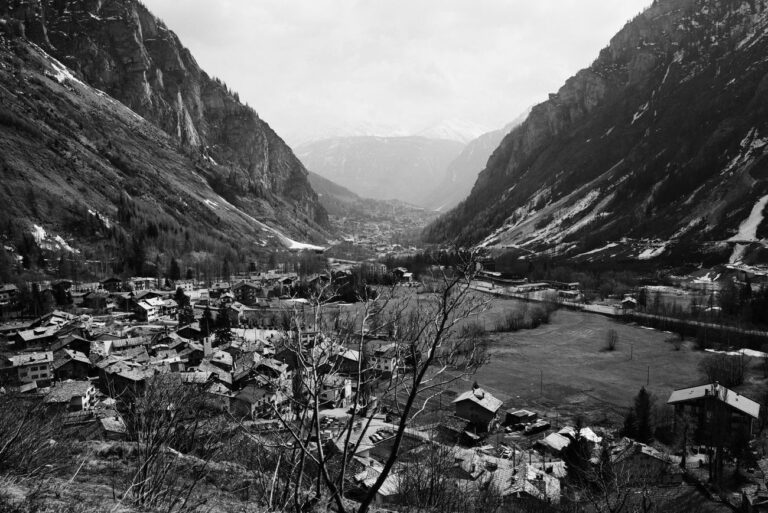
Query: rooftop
64	392
30	358
481	398
729	397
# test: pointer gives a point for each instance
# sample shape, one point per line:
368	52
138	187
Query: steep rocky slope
404	168
463	170
656	150
85	177
120	48
336	200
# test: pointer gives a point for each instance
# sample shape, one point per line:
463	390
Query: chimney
207	351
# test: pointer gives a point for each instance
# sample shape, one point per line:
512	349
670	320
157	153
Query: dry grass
579	377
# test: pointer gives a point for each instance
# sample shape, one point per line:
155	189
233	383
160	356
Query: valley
554	309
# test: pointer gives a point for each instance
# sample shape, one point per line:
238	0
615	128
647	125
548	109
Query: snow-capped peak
455	130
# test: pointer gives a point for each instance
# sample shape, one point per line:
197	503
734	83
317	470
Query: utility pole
648	379
541	383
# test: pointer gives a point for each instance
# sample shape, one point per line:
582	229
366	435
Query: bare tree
724	369
31	437
427	481
173	447
615	484
419	331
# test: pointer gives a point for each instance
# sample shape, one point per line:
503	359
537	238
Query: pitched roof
349	354
221	374
198	377
585	432
113	424
481	398
31	358
555	441
127	343
64	392
223	358
729	397
68	355
38	333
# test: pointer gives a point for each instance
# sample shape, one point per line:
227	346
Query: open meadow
563	370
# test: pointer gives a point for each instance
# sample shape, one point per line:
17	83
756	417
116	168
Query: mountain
657	150
336	199
463	170
313	133
454	130
106	115
404	168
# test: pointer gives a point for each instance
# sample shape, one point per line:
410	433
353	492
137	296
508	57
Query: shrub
677	342
513	320
473	329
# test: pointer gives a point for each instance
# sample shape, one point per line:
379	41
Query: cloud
311	66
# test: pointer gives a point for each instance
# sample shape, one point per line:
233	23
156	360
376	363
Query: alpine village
569	314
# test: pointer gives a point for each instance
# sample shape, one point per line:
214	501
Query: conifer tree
643	405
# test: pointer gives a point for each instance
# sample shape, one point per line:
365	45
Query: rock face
382	168
119	47
88	180
657	149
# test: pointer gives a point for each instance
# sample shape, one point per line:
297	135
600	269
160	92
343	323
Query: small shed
514	417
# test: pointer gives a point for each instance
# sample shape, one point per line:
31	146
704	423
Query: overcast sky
324	67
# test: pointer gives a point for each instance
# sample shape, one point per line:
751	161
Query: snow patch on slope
738	253
101	217
748	227
685	229
652	252
284	239
640	112
751	146
599	250
51	242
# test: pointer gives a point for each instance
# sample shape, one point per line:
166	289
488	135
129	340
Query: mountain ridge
660	140
130	186
119	47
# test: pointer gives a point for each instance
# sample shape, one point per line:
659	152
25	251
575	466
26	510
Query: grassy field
563	370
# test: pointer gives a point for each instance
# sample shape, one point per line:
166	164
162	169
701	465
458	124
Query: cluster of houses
85	361
536	470
505	284
246	373
251	299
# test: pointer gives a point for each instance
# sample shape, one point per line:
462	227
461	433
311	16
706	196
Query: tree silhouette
643	406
